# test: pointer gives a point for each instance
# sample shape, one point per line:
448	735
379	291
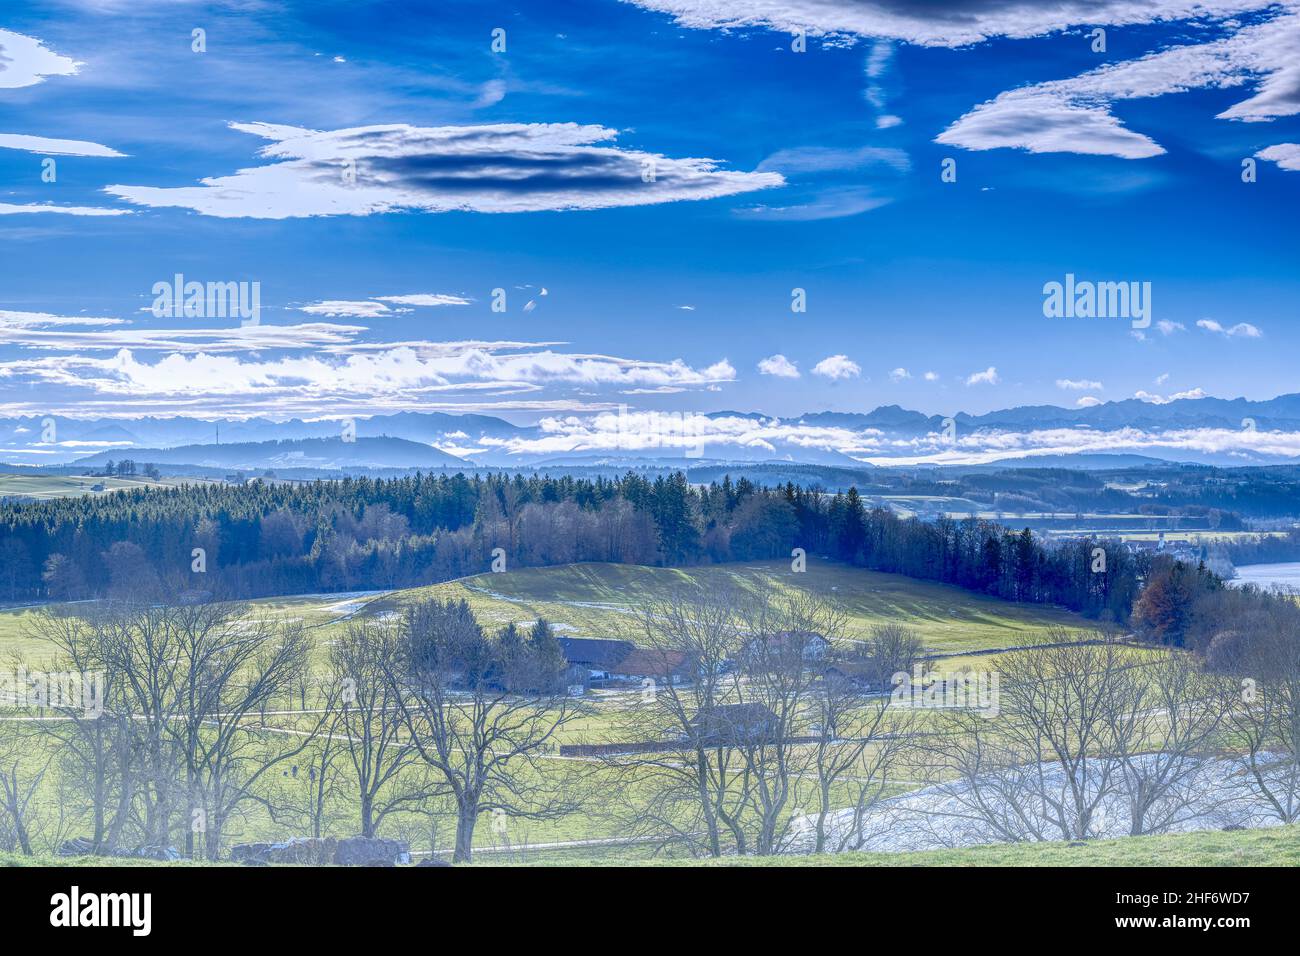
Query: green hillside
600	600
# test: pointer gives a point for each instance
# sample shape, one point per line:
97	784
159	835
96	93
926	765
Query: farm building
623	661
804	645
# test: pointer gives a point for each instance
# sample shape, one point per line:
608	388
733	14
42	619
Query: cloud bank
518	167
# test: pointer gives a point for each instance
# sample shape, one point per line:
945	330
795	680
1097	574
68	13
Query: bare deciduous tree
368	725
483	720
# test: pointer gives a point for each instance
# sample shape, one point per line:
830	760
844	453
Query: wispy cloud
349	308
1145	396
239	338
1079	385
987	377
1242	330
829	203
16	209
10	319
820	159
1074	115
955	23
425	299
55	147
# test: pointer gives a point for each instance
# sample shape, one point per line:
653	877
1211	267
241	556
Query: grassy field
599	600
1273	846
65	486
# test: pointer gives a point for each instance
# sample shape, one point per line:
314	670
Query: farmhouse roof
595	652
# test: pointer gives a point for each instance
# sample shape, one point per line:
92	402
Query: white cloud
646	429
25	61
987	377
888	121
491	93
55	147
1046	124
932	376
14	209
1079	385
372	375
1286	155
1167	327
351	308
425	299
778	365
1162	378
517	167
955	23
1088	401
1074	115
1163	400
836	367
1240	330
10	319
377	306
34	333
900	375
878	59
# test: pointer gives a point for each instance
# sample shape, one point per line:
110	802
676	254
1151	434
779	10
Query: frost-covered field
1021	804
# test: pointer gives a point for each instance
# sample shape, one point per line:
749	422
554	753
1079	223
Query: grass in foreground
1272	846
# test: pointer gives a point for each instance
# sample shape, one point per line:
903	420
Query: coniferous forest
264	538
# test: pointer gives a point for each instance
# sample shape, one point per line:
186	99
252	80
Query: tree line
265	538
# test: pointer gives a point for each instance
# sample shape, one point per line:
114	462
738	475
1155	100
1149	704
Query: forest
265	538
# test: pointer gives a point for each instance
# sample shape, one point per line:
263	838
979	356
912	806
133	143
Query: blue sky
523	171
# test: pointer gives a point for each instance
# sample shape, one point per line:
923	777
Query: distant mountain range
325	454
1203	430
